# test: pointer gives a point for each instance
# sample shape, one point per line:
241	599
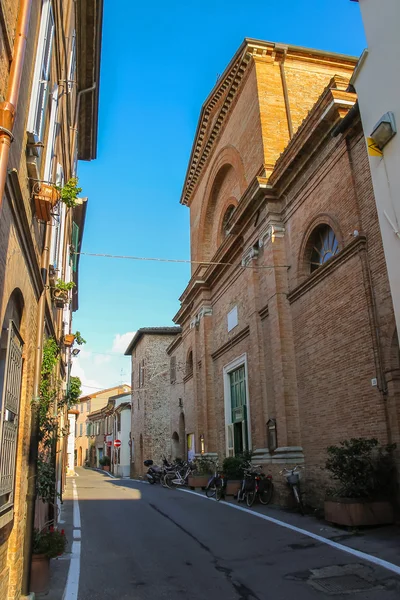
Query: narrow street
143	542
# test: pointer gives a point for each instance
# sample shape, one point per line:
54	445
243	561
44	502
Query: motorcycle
155	473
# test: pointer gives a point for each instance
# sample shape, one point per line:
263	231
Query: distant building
151	374
89	404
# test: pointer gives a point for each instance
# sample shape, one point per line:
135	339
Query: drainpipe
284	49
9	106
35	425
75	125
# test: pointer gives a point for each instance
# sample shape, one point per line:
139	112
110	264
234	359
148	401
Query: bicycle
220	488
293	481
263	489
211	486
246	482
179	476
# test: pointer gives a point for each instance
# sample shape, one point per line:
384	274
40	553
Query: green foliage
61	285
69	193
233	466
204	466
79	339
46	480
75	391
51	543
105	461
362	468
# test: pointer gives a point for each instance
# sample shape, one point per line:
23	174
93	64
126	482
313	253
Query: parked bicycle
213	482
293	480
255	484
178	476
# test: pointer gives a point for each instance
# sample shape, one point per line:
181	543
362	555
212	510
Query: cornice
264	312
326	269
232	342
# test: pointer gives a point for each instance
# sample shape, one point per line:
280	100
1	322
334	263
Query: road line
77	514
72	587
362	555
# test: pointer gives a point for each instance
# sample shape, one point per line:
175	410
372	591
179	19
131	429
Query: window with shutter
41	75
50	149
10	401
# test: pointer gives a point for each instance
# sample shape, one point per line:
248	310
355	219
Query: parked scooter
155	473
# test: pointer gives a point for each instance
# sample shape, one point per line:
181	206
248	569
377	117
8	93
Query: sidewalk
59	566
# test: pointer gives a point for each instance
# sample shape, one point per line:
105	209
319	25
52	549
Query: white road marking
77	514
362	555
72	587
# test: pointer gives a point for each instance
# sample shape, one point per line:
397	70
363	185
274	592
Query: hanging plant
74	392
60	292
69	192
79	339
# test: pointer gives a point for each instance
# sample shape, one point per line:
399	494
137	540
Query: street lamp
384	130
75	351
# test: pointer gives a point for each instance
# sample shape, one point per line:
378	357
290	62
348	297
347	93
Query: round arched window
228	213
324	245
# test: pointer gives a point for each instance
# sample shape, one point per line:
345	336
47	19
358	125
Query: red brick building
287	321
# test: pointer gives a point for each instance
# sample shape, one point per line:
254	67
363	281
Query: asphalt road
142	542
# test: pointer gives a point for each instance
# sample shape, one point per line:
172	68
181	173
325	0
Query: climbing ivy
74	390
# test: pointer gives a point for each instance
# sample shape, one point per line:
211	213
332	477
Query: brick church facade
288	339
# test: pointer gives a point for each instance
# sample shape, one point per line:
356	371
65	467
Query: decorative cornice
326	269
249	255
273	230
206	311
232	342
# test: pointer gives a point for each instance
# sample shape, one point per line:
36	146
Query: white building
377	83
121	457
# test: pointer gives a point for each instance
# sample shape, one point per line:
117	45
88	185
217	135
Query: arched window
228	213
322	246
189	363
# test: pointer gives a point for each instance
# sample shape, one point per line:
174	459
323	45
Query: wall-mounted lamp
272	436
384	130
202	445
75	352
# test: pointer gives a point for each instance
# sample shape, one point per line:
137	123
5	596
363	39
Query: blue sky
159	63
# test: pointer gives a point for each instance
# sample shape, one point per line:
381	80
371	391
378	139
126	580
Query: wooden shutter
9	414
41	75
48	165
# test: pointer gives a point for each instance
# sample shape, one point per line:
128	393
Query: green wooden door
238	406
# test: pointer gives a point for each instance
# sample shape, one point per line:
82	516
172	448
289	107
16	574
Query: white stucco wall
377	82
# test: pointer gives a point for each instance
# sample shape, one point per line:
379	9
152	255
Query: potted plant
46	197
232	468
79	339
204	468
69	339
60	292
105	463
69	192
365	476
47	543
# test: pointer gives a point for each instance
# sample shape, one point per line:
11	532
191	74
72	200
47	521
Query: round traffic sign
117	443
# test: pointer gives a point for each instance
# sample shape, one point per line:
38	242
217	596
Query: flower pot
40	574
354	512
46	197
106	468
232	487
198	481
69	339
60	297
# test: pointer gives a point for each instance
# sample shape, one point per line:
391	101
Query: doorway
238	436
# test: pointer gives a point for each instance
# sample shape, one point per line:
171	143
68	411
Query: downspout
8	108
75	125
35	425
284	49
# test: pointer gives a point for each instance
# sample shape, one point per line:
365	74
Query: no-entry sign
117	443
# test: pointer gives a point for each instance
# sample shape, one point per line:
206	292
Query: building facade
150	391
378	91
288	331
89	404
48	123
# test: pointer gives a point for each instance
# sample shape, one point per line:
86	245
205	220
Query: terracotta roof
150	331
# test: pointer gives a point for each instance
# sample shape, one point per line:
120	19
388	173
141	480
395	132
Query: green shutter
75	245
